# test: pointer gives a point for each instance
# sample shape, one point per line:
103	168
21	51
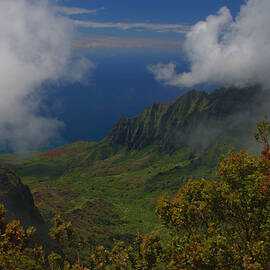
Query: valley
109	189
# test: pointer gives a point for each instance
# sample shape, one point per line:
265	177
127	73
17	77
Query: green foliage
14	250
223	224
196	118
54	261
62	231
219	224
17	253
262	136
144	254
141	159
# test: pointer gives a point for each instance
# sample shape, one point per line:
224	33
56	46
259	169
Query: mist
225	50
35	48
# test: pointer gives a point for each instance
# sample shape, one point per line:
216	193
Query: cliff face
173	125
17	199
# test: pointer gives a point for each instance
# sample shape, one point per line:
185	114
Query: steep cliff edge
189	120
17	199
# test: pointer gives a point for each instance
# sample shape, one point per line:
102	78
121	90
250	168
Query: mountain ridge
169	124
141	158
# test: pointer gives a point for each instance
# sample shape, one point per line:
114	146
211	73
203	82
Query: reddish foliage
52	200
262	189
4	160
110	171
55	152
68	193
266	153
81	143
134	180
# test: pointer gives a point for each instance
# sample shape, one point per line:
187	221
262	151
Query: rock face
18	200
190	119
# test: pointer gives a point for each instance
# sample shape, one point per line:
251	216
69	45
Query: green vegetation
218	224
110	189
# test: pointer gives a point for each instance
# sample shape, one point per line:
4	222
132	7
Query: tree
15	252
218	224
223	224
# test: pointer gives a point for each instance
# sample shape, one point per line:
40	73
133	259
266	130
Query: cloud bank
225	50
35	47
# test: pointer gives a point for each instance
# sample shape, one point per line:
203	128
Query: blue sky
138	24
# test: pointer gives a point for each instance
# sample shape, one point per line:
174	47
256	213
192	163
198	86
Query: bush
223	224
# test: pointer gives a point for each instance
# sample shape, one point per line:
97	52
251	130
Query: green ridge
109	189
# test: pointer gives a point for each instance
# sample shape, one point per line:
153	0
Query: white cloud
179	28
73	10
35	47
163	72
223	50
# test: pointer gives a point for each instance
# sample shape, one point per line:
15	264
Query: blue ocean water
120	85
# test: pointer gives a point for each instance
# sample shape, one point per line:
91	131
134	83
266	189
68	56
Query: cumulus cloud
35	47
163	72
226	50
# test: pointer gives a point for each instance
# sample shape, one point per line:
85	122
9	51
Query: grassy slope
114	197
109	189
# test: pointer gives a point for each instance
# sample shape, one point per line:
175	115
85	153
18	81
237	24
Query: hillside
109	189
19	203
172	126
17	199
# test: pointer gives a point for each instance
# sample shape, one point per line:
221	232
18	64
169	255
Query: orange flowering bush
219	224
223	224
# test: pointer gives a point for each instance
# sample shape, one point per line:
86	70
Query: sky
70	68
132	24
